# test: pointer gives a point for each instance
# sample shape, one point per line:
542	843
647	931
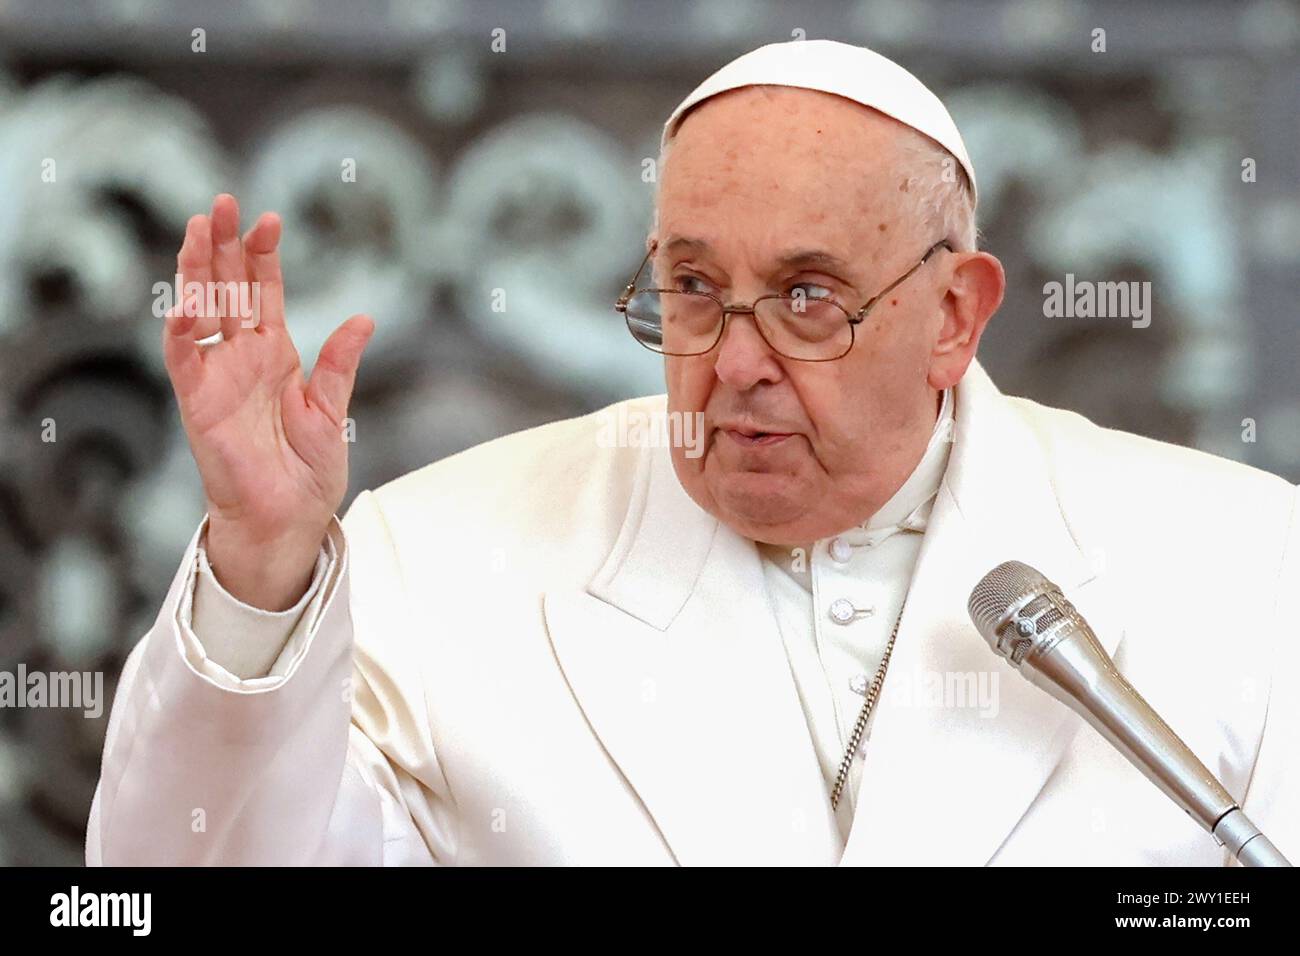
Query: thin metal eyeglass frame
853	319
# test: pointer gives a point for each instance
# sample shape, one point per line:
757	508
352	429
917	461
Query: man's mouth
749	438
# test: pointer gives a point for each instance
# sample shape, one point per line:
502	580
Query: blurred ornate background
521	170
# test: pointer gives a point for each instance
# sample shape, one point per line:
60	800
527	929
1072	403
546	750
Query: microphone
1027	620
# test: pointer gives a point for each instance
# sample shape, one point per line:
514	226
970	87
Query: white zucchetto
830	66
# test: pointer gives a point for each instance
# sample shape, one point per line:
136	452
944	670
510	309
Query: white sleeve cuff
241	642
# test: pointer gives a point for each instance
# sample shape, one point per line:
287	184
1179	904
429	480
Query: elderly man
554	649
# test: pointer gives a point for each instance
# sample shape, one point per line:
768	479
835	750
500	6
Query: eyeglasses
801	327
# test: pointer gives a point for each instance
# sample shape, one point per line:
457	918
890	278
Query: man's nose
744	357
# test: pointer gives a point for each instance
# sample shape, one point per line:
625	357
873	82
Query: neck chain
873	692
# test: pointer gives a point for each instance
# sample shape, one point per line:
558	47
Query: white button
842	611
858	683
841	550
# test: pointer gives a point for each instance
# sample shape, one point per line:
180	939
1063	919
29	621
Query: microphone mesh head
1006	584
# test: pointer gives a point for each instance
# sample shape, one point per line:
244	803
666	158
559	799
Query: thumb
330	386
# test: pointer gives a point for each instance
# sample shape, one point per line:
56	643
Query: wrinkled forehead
772	163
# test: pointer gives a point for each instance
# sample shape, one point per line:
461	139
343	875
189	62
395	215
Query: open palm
269	444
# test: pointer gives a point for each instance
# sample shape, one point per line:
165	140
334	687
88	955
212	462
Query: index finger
262	255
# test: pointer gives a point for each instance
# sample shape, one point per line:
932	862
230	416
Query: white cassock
541	651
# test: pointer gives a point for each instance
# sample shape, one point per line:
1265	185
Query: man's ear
651	243
974	293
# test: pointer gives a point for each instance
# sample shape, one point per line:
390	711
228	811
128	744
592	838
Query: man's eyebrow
799	257
813	257
681	243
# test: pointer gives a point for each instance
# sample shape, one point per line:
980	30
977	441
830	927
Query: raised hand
269	445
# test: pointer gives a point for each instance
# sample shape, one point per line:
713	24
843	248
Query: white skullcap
853	72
